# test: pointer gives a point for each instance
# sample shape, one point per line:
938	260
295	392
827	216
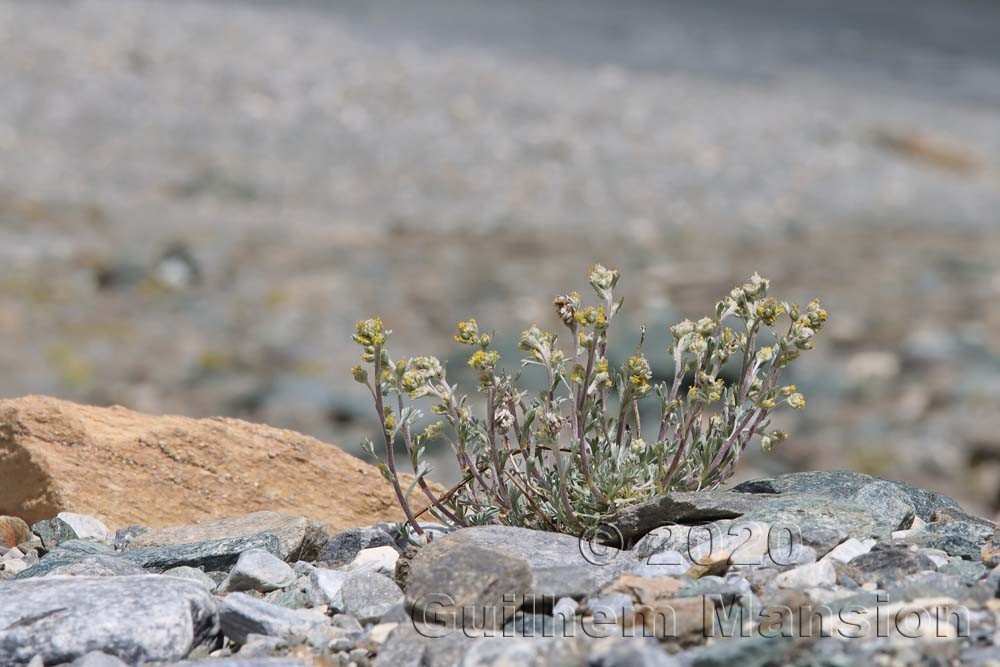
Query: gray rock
491	569
53	532
62	619
505	652
851	548
936	584
965	570
817	574
240	661
819	513
379	559
124	536
68	553
888	499
192	574
259	570
638	652
368	596
746	652
345	545
242	615
211	555
993	579
450	575
98	659
293	596
348	625
326	587
97	566
419	645
86	527
532	625
952	545
884	566
977	532
262	645
299	538
844	484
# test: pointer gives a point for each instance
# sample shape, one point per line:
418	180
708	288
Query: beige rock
130	468
13	531
714	564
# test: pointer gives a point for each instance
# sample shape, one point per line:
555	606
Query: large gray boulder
137	619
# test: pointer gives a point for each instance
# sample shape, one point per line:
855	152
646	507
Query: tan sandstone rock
130	468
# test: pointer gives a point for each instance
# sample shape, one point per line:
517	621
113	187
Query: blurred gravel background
198	199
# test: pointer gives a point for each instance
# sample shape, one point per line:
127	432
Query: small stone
937	556
818	574
192	574
369	595
124	536
345	545
261	645
348	625
966	570
381	559
86	527
850	548
503	651
97	659
293	596
101	557
13	531
53	532
993	579
380	632
662	564
888	500
13	566
630	652
887	565
242	615
259	570
325	587
714	564
342	645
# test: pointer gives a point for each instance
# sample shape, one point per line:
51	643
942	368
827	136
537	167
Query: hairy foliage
565	457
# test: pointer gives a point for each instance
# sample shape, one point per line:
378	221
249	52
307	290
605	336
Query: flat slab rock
137	619
299	538
863	506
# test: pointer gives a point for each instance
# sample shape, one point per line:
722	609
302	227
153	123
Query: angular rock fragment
259	570
242	615
299	538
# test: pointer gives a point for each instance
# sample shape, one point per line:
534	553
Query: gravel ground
198	199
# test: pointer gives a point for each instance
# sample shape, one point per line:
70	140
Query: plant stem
390	458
